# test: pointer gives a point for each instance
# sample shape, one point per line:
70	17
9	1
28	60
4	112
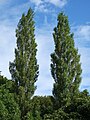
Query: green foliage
82	103
29	116
57	115
79	108
2	80
7	84
9	109
3	111
65	66
74	116
42	105
24	69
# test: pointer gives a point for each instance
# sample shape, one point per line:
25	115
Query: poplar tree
65	63
24	69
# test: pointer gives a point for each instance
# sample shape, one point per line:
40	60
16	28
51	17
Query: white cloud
82	41
41	8
36	2
7	45
83	32
85	84
44	86
85	60
58	3
43	5
45	48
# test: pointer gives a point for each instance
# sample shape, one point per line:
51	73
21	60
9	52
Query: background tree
42	105
24	69
65	66
9	109
80	107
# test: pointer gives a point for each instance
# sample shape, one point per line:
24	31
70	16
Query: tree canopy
24	69
65	66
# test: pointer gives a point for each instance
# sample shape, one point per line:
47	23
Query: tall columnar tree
65	63
24	69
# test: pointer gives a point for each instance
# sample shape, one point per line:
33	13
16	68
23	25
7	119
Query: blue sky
46	12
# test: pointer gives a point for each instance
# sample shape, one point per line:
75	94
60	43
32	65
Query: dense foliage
9	109
65	66
24	69
17	100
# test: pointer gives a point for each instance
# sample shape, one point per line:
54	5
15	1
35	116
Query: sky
46	12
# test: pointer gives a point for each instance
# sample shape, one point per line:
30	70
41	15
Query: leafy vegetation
9	109
24	69
65	66
17	100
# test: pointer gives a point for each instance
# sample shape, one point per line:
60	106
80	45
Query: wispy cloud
7	45
45	47
44	5
41	8
85	84
13	13
83	31
8	22
36	2
82	41
58	3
